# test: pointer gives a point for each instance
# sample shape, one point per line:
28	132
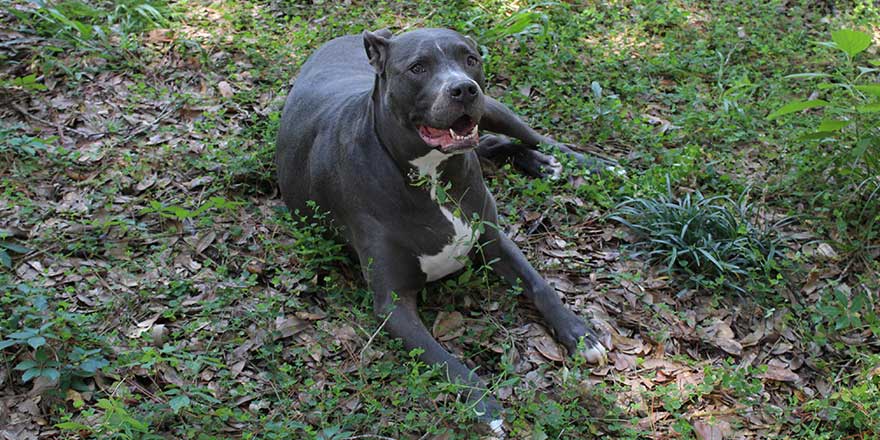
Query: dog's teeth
452	132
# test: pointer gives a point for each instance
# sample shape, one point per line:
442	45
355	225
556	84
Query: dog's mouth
461	135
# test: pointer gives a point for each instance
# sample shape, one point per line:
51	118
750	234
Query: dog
383	133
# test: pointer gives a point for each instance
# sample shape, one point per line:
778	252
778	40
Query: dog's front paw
537	164
581	340
592	350
490	414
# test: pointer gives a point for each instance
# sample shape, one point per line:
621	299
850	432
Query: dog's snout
464	91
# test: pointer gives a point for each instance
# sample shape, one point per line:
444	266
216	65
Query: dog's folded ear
376	45
472	42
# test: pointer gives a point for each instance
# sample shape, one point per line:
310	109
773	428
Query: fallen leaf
448	325
780	374
714	431
225	89
548	348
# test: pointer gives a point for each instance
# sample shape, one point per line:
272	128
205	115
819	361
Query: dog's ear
376	45
472	43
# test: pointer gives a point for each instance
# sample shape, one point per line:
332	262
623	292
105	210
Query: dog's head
432	80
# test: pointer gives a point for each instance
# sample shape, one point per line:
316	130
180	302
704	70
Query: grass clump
714	242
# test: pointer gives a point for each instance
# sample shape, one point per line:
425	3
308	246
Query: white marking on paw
448	260
596	354
495	426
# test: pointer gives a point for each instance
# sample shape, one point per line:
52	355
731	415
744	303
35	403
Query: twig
24	112
380	437
165	113
373	336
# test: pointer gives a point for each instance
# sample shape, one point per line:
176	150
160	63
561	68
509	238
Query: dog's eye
417	68
472	61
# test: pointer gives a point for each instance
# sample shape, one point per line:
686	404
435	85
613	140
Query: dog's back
329	87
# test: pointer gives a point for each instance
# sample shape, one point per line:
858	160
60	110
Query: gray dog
382	133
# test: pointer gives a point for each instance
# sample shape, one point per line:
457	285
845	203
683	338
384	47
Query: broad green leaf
50	373
832	125
826	86
24	334
816	135
869	108
851	42
875	63
37	341
17	248
869	89
178	403
30	374
796	106
92	365
5	259
26	365
73	426
8	343
806	75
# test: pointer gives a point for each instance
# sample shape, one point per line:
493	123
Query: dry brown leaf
714	431
548	348
448	325
225	89
780	374
160	36
289	326
621	361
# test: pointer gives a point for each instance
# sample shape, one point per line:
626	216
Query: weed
847	138
713	241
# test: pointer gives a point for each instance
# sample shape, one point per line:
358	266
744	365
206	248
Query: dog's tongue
463	134
434	132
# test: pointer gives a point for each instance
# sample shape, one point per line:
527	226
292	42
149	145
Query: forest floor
153	285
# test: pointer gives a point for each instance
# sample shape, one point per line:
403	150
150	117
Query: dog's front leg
570	329
395	282
500	119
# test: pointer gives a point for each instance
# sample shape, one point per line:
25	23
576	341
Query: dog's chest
453	255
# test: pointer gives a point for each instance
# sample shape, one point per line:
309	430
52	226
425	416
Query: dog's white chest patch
450	258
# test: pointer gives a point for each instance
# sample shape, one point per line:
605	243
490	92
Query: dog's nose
464	91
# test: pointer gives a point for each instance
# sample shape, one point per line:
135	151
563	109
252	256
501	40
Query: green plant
315	244
91	26
853	410
715	241
6	247
847	137
180	214
847	113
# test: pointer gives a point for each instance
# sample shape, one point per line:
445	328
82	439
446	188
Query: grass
714	242
156	289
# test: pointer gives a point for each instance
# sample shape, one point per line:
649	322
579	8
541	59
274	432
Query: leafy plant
850	128
6	247
714	241
180	214
850	111
851	411
91	26
525	21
